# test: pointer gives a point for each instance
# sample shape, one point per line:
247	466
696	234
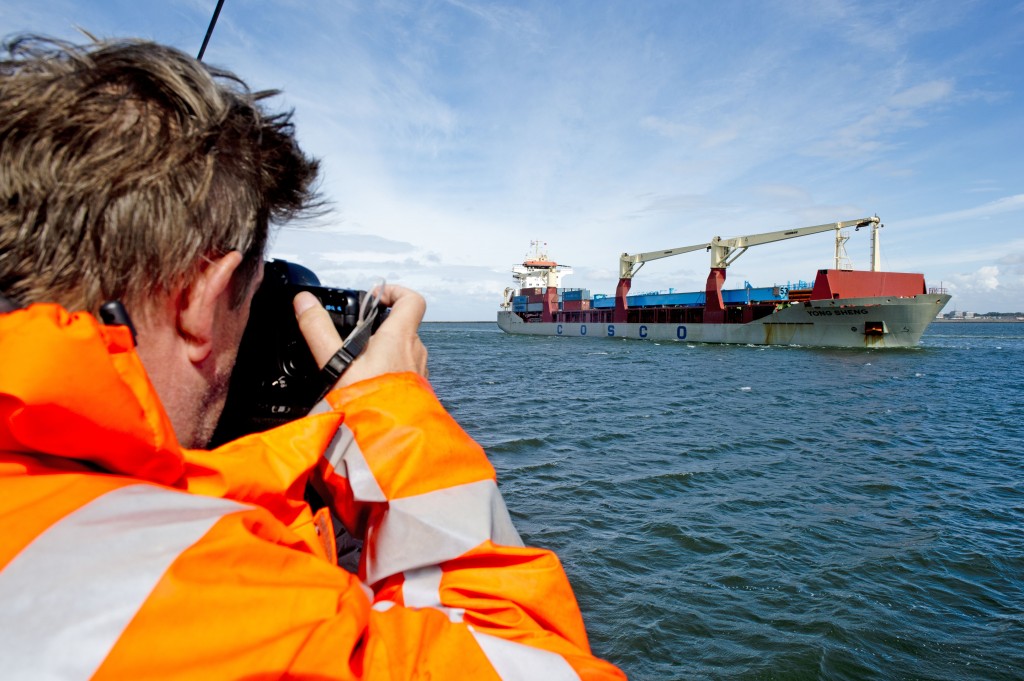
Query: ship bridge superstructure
538	270
538	279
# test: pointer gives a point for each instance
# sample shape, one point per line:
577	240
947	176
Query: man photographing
129	172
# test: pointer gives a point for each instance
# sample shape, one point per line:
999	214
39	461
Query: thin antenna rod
209	31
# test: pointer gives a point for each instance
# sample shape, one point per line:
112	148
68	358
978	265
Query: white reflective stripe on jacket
70	593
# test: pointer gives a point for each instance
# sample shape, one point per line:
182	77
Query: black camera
276	379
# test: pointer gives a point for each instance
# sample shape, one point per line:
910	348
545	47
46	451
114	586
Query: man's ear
200	301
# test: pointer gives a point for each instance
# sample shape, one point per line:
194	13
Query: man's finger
407	305
316	326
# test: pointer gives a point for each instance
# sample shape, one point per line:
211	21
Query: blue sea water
765	512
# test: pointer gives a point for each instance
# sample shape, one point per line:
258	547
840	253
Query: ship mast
876	251
842	260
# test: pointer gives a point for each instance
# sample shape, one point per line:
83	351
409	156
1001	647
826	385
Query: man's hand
394	347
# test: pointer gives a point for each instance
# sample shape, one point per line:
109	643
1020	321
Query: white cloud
983	280
871	133
784	193
1007	204
665	127
922	95
989	288
506	19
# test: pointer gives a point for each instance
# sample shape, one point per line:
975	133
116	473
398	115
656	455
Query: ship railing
938	290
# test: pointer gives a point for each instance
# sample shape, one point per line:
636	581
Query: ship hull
883	322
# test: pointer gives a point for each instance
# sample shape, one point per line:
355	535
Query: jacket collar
71	387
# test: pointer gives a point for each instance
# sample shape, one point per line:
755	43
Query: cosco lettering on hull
642	331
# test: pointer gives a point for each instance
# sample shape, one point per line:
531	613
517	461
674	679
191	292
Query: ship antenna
209	31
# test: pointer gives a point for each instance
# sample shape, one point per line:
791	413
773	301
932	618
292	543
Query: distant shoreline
984	320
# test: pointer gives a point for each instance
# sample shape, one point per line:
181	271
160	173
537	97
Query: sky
454	133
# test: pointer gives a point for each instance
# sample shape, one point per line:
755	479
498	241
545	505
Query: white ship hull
848	323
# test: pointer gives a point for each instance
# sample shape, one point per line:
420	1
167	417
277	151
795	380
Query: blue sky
453	133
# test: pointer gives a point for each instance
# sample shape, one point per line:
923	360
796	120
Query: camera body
276	379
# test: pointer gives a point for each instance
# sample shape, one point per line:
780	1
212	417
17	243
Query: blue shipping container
576	294
751	295
729	297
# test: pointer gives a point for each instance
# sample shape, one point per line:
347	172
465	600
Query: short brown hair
124	163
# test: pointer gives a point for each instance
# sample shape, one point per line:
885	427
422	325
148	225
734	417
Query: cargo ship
841	307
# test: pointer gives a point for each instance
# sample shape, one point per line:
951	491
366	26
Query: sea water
765	512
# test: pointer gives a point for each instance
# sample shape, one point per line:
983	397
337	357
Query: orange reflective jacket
124	556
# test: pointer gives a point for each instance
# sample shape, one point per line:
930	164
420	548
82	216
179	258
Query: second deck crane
724	252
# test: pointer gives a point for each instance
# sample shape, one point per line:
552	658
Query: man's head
129	171
124	164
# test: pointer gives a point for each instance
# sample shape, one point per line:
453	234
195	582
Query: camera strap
337	365
353	346
343	358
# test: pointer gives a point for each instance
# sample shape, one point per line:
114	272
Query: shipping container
575	305
729	297
749	295
576	294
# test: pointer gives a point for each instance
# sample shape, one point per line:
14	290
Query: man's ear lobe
199	302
